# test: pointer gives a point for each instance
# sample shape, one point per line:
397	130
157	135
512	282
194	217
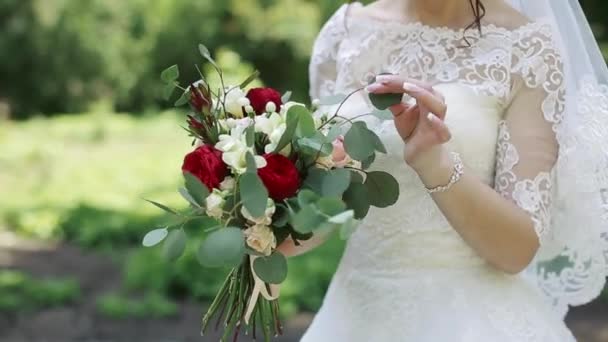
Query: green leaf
331	206
382	188
306	197
170	74
307	220
359	142
206	54
356	177
271	269
196	188
365	164
222	248
332	100
250	135
316	145
182	99
249	79
356	198
335	132
286	97
384	101
253	194
168	90
201	225
314	180
154	237
186	195
252	166
281	216
163	207
336	182
348	229
306	125
343	217
378	145
175	244
292	120
383	114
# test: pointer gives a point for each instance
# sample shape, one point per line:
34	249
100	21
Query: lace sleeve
527	146
323	68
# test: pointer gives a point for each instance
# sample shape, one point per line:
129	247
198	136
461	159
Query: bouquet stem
230	304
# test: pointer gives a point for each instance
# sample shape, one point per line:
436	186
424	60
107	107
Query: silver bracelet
458	171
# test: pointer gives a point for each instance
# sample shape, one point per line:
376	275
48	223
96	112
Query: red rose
200	97
206	164
259	97
280	176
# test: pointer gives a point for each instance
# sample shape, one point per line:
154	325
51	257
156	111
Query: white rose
215	204
227	184
266	219
235	100
235	149
261	239
274	127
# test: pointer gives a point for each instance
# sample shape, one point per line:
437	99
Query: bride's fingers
393	84
440	128
406	122
429	99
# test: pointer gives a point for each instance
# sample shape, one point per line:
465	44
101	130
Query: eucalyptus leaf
281	216
359	142
250	135
163	207
154	237
378	145
292	119
356	198
315	146
336	182
186	195
384	101
253	194
222	248
382	188
306	125
383	114
334	132
199	226
196	188
365	164
271	269
306	197
168	90
175	244
307	220
249	79
170	74
252	166
332	100
286	97
331	206
356	177
314	180
182	99
204	51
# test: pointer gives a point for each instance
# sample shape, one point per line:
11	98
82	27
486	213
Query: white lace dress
406	275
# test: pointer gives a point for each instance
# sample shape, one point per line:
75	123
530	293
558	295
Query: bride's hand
421	122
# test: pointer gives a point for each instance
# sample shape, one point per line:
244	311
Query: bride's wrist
434	166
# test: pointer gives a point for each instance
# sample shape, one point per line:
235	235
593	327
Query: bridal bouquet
265	170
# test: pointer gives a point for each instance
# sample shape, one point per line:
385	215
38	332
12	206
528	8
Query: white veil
571	268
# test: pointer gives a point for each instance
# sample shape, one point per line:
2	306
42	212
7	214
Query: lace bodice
505	93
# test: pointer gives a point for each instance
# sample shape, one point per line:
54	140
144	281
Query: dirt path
98	275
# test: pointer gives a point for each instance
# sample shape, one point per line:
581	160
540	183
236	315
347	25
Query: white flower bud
227	184
271	107
249	109
243	102
215	205
316	103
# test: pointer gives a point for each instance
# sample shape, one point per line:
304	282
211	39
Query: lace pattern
534	164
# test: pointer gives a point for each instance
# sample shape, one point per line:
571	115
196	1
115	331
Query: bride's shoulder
505	16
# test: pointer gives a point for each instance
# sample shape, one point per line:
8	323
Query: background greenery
71	170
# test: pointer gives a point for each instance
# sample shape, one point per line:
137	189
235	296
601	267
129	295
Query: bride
500	147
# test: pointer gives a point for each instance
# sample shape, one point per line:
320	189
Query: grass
81	179
20	292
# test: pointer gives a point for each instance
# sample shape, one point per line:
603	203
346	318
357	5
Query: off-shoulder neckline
398	25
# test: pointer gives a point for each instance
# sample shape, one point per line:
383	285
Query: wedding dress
406	275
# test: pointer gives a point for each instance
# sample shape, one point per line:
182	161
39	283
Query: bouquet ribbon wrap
259	287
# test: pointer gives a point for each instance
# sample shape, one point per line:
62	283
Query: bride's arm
504	224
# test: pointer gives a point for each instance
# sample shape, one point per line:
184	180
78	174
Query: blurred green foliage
153	305
20	292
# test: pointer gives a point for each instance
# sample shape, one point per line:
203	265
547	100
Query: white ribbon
259	287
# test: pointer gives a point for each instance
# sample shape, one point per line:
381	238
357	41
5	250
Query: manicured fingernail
410	87
431	117
382	78
372	87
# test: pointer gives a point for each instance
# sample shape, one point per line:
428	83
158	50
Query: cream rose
261	239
